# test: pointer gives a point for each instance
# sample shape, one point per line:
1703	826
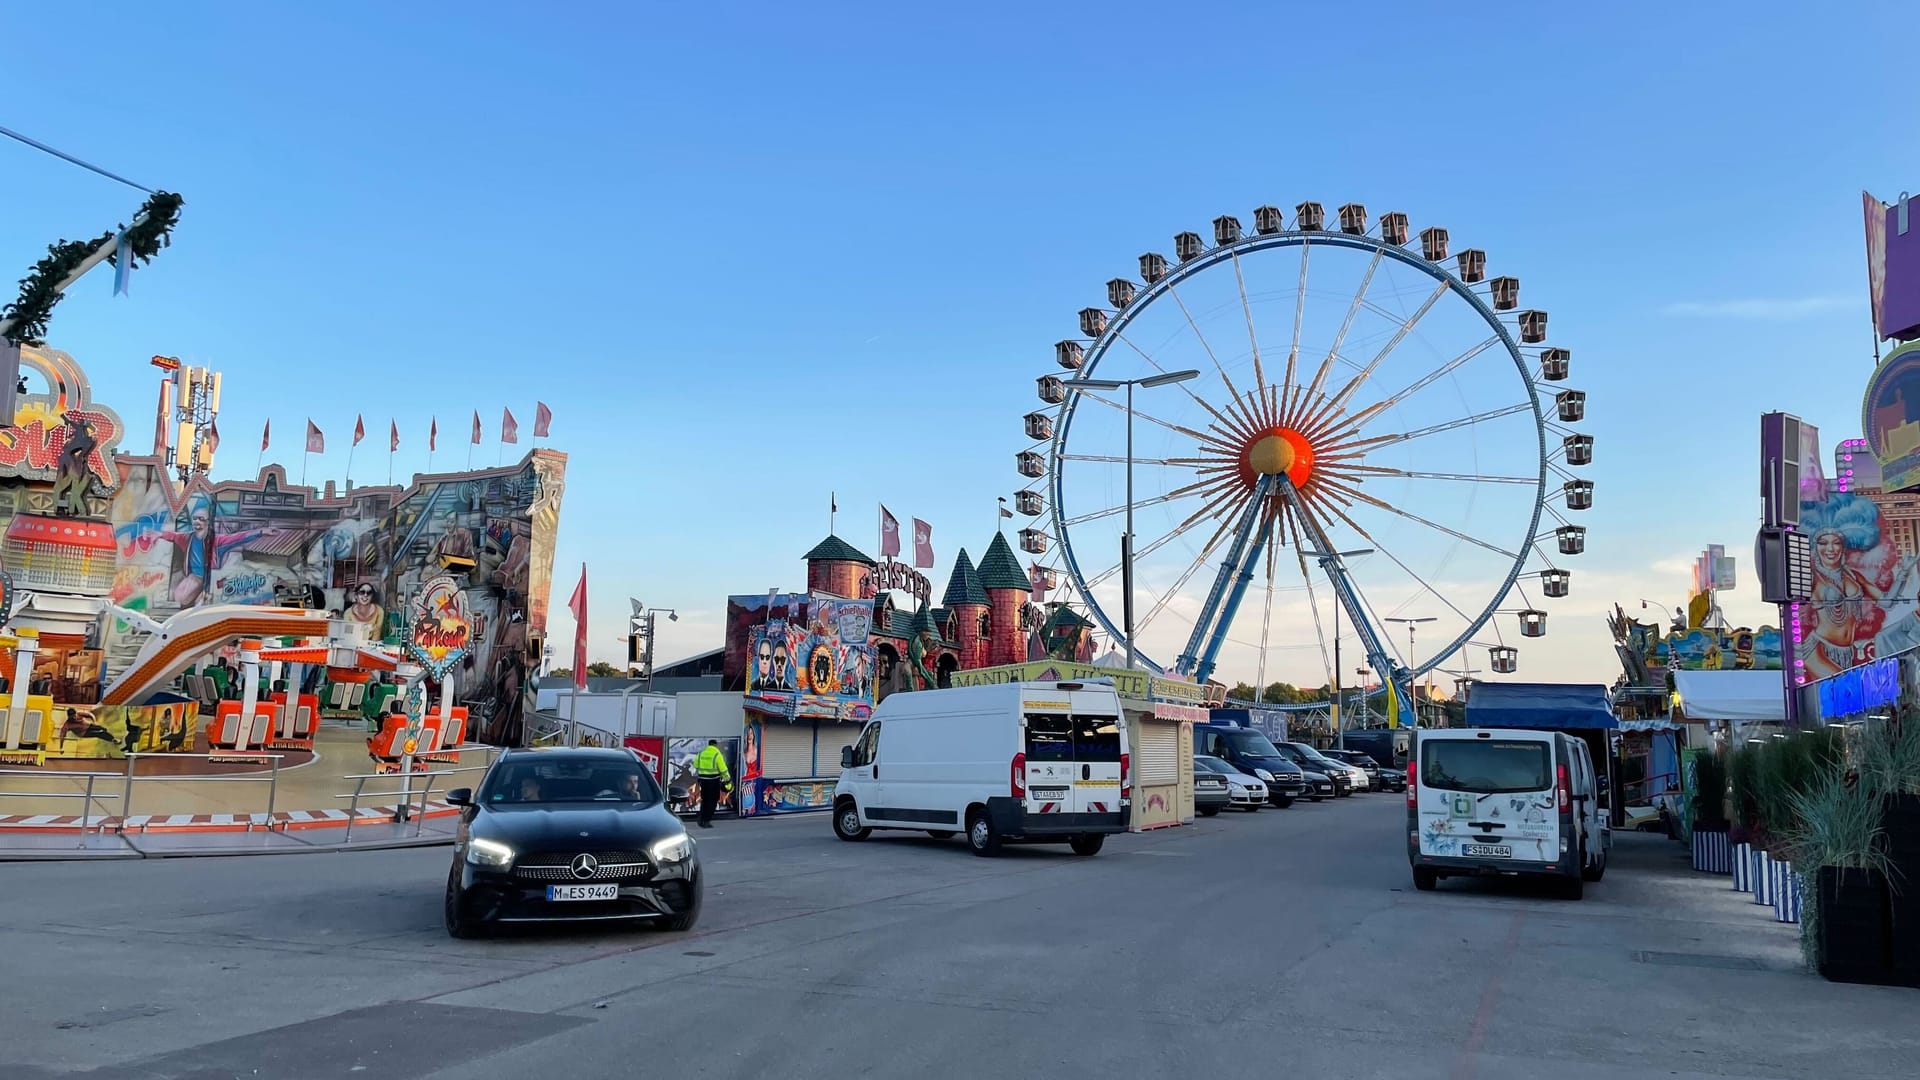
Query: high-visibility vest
711	764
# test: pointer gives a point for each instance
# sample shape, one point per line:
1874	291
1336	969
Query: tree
1242	692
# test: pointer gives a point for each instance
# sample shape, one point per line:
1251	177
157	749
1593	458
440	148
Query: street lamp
1165	378
1326	557
1411	623
642	627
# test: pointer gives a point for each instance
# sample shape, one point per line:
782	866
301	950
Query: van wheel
846	822
1595	873
1088	843
1425	879
940	834
981	838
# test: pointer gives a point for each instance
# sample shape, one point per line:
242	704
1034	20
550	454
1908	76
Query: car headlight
484	852
671	850
1264	775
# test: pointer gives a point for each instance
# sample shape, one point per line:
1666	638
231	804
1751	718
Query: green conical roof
999	569
964	586
923	623
838	550
1066	616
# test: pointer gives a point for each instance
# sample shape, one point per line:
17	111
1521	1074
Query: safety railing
88	797
271	779
407	791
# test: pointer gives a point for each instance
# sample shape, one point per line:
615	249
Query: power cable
71	160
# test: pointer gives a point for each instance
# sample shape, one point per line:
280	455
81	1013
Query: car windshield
1211	764
1249	743
548	781
1485	767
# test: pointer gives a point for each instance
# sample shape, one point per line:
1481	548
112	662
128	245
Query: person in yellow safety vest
711	769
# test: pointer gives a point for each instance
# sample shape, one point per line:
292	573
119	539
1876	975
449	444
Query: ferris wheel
1305	434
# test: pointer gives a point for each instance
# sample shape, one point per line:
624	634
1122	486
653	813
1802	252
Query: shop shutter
786	751
1159	753
832	738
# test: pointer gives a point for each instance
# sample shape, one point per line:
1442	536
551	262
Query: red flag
359	429
922	545
889	534
542	419
316	442
433	436
213	438
578	605
266	434
476	427
393	436
1037	577
509	430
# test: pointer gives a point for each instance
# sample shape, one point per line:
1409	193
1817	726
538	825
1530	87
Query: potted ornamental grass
1890	764
1846	918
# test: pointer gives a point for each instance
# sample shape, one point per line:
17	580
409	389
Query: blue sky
754	254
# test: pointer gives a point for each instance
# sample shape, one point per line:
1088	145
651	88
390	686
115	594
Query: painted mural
819	667
681	752
1703	649
1866	595
114	731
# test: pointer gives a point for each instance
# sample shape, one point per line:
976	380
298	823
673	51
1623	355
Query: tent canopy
1549	706
1732	695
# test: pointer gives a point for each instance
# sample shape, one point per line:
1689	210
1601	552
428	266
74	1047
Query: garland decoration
39	290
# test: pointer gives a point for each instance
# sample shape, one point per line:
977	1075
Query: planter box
1743	868
1762	878
1786	893
1711	852
1855	926
1902	822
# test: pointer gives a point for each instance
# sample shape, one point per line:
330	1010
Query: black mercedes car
565	835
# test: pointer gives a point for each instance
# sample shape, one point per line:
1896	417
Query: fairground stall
808	695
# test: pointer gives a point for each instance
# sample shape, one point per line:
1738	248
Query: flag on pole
359	429
393	436
1004	512
922	545
889	534
578	605
316	441
509	428
213	437
542	419
476	427
1041	582
433	436
266	434
122	264
1393	705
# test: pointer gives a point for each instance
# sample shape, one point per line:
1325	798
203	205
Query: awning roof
1549	706
1731	695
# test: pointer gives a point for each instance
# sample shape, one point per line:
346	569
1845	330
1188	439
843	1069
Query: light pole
1165	378
1339	728
643	624
1411	623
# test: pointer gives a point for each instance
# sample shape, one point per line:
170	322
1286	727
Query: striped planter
1762	878
1711	852
1743	868
1786	893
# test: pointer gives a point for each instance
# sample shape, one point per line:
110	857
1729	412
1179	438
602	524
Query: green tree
1243	692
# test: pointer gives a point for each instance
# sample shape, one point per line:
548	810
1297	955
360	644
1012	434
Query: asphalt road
1286	943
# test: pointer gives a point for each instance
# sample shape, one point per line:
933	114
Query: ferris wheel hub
1278	451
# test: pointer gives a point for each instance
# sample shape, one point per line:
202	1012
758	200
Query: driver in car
530	789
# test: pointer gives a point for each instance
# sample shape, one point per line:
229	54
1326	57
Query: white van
1008	763
1504	801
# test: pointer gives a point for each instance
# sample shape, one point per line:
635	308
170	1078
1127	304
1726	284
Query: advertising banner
1865	593
820	668
1893	266
1138	685
1890	417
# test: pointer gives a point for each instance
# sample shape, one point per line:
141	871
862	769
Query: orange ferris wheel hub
1274	451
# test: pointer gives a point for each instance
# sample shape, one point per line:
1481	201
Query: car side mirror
846	757
460	796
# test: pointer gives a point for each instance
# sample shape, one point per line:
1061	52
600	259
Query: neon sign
442	631
42	423
1869	686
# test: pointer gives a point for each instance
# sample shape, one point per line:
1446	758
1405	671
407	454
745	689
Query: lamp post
643	624
1166	378
1339	728
1411	623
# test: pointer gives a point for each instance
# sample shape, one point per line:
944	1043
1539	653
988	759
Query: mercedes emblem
584	865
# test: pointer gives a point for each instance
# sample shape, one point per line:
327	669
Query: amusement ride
1332	419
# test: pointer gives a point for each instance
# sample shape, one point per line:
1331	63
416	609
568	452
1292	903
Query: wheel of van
1088	843
940	834
846	822
1595	873
1425	879
981	837
1574	886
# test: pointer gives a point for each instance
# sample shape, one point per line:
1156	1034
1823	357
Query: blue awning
1546	706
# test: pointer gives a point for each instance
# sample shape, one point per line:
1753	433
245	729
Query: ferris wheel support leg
1230	568
1336	569
1232	608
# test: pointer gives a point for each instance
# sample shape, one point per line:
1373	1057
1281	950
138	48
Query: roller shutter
786	751
832	738
1159	753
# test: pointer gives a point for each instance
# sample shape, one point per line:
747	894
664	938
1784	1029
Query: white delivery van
1485	801
1009	763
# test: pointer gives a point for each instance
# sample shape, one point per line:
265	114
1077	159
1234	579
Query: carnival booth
1735	704
807	697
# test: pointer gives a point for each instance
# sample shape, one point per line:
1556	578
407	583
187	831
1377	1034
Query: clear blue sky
752	254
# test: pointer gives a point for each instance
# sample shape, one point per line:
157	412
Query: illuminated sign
1869	686
43	423
893	575
442	631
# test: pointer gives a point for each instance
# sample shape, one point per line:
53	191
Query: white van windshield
1487	767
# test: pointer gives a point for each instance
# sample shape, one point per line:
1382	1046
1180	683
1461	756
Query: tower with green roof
837	568
967	599
1007	589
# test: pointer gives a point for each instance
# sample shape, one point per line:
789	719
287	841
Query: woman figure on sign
366	610
1849	557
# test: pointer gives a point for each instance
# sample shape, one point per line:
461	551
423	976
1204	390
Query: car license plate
583	892
1050	794
1486	851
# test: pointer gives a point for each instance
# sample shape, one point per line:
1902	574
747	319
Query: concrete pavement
1287	942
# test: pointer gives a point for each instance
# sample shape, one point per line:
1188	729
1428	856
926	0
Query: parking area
1287	940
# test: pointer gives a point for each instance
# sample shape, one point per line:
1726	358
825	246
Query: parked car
1505	802
1252	753
563	835
1359	761
1211	793
1032	763
1246	792
1357	779
1322	784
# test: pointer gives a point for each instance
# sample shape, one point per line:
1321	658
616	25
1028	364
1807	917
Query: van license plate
1486	851
583	892
1050	794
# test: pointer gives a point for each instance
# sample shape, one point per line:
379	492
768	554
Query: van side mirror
846	757
460	796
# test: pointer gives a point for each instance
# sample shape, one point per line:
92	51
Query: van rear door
1096	758
1049	755
1073	760
1488	797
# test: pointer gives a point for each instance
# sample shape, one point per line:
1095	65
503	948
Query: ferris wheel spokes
1343	588
1223	600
